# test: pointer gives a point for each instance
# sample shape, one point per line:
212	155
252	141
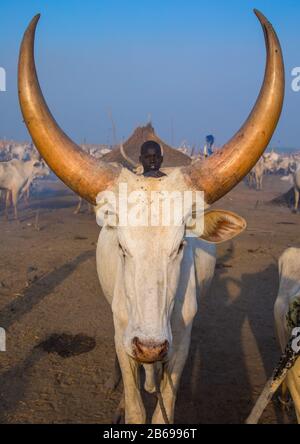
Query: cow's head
155	257
39	168
151	257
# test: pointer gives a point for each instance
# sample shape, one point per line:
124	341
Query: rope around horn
158	393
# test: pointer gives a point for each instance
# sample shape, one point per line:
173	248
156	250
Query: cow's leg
77	209
27	194
134	407
296	199
7	203
170	381
250	181
258	182
15	195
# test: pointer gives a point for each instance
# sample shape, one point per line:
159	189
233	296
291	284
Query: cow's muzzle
149	351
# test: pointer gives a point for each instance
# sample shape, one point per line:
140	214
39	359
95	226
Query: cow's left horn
219	173
77	169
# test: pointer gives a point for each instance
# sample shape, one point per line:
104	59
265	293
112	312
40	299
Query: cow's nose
149	351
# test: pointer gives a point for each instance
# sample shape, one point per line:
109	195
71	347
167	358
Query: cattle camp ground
59	331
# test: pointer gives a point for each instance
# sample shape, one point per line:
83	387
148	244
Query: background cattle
16	177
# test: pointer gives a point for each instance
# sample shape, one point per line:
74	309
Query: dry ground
60	348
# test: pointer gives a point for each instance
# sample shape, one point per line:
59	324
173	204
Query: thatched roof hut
172	157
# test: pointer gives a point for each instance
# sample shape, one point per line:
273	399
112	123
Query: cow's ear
220	226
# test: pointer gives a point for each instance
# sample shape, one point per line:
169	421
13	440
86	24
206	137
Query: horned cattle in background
16	177
270	163
255	177
294	180
21	151
152	275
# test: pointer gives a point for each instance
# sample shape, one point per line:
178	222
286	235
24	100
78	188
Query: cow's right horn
77	169
219	173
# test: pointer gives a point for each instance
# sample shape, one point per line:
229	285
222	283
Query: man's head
151	156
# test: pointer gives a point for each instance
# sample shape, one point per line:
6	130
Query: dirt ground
60	349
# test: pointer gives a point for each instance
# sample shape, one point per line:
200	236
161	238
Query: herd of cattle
20	166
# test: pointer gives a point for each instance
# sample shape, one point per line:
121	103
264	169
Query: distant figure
151	158
208	147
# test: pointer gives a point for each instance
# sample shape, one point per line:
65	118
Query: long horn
219	173
76	168
127	158
161	149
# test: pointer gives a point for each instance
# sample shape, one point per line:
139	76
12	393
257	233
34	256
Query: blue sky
194	65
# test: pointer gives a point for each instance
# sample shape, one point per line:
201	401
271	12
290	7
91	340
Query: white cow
150	272
151	277
294	180
286	164
255	177
16	175
271	161
5	153
20	151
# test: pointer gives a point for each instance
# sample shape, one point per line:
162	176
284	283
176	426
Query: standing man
208	147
